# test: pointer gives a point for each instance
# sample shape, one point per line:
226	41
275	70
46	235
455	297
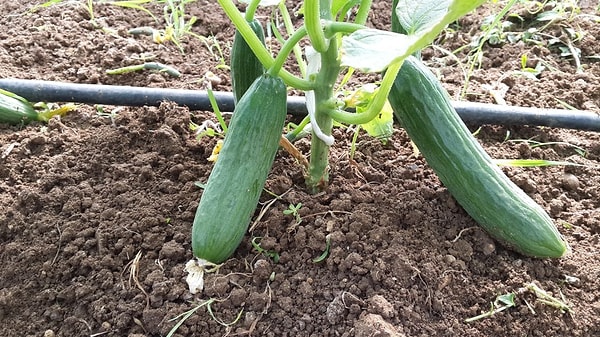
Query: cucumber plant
340	40
337	41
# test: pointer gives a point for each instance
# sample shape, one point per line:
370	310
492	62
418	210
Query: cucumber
499	206
245	66
234	186
16	110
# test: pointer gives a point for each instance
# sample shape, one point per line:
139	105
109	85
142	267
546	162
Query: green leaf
506	299
532	163
343	5
417	16
372	50
380	127
263	3
325	253
134	4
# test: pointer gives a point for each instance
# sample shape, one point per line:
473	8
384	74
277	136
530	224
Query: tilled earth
96	210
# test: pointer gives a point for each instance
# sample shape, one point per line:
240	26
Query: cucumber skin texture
236	181
15	112
245	66
499	206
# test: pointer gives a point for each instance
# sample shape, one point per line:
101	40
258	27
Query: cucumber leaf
380	127
418	17
372	50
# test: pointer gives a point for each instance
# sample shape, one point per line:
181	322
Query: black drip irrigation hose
472	113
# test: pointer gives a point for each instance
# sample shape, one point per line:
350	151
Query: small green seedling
208	127
547	299
501	303
530	72
506	301
112	115
134	4
533	144
44	5
293	210
213	46
184	316
492	30
146	66
177	25
269	253
566	225
559	11
533	163
325	253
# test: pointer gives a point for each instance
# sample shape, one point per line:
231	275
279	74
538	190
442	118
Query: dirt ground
96	211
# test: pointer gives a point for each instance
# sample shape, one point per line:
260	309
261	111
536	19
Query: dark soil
96	212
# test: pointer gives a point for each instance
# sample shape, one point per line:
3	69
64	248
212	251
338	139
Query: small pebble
105	326
213	78
570	181
449	259
262	269
49	333
488	248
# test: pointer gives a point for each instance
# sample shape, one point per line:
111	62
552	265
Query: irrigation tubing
472	113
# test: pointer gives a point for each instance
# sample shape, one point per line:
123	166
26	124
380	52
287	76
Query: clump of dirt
96	210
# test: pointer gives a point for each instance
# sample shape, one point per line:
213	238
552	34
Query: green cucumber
245	66
509	215
15	109
234	186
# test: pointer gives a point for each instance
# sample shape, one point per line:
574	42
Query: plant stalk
363	12
251	10
289	27
318	171
286	50
313	13
257	47
376	104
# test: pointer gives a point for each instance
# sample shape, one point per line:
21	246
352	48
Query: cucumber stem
363	12
318	175
334	27
289	27
293	135
312	20
376	104
251	10
286	50
258	48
